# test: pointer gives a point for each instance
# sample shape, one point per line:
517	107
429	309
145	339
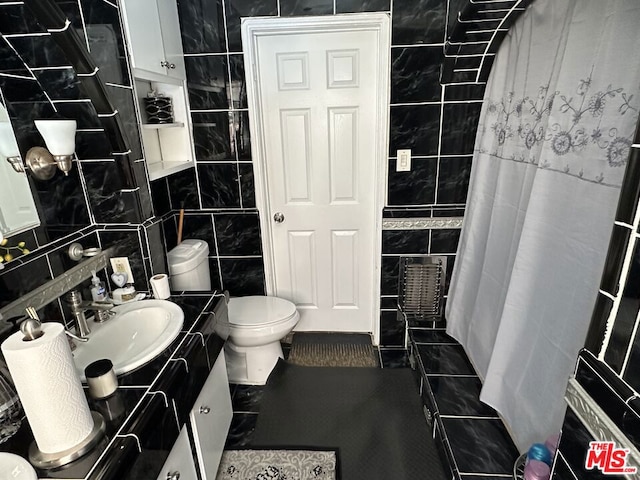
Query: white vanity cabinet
179	464
211	415
153	31
209	422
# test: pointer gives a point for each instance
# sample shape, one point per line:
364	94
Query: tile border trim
599	424
422	223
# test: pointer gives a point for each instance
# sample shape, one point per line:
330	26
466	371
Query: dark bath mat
373	416
333	350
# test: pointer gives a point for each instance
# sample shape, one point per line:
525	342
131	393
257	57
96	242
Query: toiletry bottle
98	290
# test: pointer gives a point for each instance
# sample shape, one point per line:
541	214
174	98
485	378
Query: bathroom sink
137	334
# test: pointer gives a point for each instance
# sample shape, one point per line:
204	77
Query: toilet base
251	365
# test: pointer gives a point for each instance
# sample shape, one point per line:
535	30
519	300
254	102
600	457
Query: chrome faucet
79	307
75	301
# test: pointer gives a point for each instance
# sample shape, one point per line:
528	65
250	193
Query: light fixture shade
8	144
59	135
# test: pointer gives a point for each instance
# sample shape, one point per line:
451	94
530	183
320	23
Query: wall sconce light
9	147
60	137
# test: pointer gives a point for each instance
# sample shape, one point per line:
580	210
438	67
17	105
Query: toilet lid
259	310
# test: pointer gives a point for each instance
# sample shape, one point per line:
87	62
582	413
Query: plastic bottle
98	290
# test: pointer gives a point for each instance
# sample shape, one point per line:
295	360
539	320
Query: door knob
278	217
166	64
205	410
173	475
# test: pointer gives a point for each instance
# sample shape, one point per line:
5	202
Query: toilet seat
259	311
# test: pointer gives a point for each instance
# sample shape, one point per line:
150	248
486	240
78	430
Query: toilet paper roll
160	286
49	388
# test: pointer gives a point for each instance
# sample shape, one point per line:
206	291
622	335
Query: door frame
255	27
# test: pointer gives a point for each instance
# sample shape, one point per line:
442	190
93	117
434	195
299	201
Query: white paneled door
318	93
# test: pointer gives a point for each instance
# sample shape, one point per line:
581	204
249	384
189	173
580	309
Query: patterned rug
333	350
253	464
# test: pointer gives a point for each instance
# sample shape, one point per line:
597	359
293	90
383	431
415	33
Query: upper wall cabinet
155	48
153	30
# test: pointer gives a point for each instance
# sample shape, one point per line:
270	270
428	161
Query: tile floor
246	399
472	440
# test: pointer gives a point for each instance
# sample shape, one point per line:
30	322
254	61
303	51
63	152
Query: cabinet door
179	463
142	22
211	418
171	39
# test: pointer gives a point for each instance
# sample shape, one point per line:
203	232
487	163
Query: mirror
17	208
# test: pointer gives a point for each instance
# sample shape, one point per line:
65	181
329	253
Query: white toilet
253	332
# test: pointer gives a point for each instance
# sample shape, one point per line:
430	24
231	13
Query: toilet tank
189	266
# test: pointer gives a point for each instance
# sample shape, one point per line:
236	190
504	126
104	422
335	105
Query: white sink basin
137	334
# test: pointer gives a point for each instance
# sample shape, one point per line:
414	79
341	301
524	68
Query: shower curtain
555	130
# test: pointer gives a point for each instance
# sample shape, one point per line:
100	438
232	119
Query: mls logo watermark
607	458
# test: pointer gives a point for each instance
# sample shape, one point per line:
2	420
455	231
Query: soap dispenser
98	290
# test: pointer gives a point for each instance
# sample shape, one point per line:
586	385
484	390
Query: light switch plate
403	160
121	265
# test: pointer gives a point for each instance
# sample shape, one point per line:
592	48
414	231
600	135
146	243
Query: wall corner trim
599	424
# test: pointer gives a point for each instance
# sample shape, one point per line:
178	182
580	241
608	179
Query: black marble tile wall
182	189
630	191
243	276
415	74
160	197
27	272
418	22
202	25
238	234
459	125
417	187
213	47
208	82
611	393
305	7
223	182
236	9
96	190
392	329
235	248
355	6
573	447
453	179
219	185
415	127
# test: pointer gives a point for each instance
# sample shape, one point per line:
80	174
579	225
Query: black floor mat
373	416
333	350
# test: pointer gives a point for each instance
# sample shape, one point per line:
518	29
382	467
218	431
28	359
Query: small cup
101	378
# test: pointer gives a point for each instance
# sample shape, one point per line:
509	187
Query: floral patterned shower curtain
559	114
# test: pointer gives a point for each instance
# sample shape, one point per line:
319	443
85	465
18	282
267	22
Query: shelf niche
168	147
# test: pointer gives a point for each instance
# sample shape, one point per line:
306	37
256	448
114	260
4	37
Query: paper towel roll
160	286
49	388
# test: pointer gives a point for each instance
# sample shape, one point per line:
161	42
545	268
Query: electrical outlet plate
403	160
121	265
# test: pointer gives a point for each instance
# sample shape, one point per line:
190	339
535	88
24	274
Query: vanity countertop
144	416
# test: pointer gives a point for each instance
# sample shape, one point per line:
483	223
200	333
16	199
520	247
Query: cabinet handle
173	475
205	410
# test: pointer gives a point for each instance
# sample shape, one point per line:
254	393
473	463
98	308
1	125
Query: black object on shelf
158	108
